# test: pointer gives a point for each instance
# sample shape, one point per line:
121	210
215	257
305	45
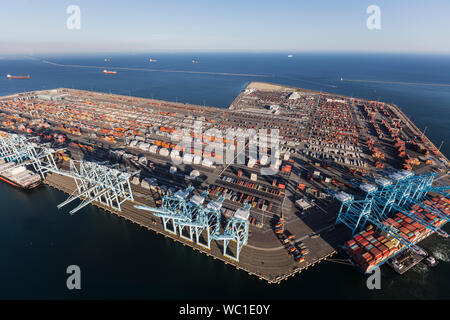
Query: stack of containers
240	197
287	168
369	247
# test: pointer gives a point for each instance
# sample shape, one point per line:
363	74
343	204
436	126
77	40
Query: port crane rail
183	213
404	193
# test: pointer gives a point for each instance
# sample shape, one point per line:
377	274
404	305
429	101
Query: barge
19	177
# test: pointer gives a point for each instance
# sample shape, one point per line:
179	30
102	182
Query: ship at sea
153	60
109	72
19	177
8	76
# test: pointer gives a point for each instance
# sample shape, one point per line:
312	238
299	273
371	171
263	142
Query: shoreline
138	217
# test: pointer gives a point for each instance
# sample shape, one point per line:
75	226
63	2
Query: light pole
424	130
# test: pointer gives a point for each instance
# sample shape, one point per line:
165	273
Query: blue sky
227	25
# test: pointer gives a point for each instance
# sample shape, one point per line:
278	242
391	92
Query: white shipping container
144	146
187	158
18	170
145	185
207	163
164	152
197	159
264	160
153	148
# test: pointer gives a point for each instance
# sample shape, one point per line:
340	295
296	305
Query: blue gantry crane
191	216
210	221
173	208
186	216
398	191
235	230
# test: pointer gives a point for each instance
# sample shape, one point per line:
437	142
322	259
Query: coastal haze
217	26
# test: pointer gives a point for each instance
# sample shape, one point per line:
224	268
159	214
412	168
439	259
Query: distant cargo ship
17	77
109	72
19	177
195	61
290	55
153	60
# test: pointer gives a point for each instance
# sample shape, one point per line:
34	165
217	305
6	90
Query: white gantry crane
17	150
99	182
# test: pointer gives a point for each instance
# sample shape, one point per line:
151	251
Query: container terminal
347	176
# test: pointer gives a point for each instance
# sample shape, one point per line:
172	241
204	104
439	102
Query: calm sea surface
120	260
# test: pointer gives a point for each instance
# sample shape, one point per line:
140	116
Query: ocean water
120	260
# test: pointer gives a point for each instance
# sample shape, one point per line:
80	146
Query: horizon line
135	52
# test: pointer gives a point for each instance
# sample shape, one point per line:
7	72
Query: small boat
442	233
431	261
195	61
109	72
153	60
290	55
418	250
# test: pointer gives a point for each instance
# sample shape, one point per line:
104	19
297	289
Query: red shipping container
375	252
